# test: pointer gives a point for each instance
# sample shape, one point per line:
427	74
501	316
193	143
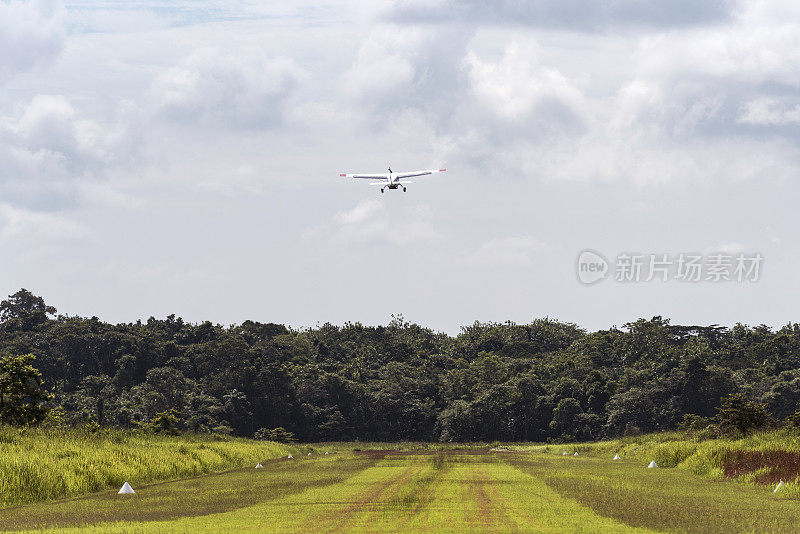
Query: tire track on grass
491	508
370	496
420	495
491	504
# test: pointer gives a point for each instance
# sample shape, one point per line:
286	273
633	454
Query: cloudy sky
183	157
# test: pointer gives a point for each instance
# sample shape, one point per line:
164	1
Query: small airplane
392	179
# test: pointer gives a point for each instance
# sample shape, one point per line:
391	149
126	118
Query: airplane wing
402	175
367	176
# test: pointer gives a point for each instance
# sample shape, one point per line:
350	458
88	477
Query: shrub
167	422
92	427
278	434
632	430
55	418
694	422
737	415
793	421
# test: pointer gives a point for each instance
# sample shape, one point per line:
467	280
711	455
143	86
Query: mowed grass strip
442	507
501	498
452	492
661	499
409	506
492	510
358	511
405	493
191	497
344	506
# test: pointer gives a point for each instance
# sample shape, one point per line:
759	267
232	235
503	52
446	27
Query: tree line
542	381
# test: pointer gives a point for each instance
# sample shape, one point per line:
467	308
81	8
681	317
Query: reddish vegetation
782	465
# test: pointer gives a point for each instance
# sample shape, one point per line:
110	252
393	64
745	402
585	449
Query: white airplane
392	180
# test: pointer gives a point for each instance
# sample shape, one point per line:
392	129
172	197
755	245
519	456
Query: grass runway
425	491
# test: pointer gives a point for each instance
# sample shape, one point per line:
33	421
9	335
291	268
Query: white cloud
359	214
22	223
30	33
50	151
769	112
516	107
382	69
673	115
243	90
521	89
51	123
371	222
398	68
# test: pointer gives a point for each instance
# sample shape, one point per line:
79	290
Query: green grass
411	488
204	495
458	490
662	499
398	493
704	457
41	464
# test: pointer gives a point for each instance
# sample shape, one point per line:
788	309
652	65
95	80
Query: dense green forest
546	380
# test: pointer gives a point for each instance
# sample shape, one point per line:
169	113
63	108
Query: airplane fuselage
392	180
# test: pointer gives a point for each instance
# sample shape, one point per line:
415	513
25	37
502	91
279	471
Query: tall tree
24	309
22	396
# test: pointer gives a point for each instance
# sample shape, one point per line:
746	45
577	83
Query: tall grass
704	457
40	464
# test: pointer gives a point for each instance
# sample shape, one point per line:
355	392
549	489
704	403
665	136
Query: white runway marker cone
309	454
126	489
616	457
259	466
652	464
564	453
576	453
779	486
326	453
290	456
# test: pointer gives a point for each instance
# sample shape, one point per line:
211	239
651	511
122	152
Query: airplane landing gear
404	189
381	190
